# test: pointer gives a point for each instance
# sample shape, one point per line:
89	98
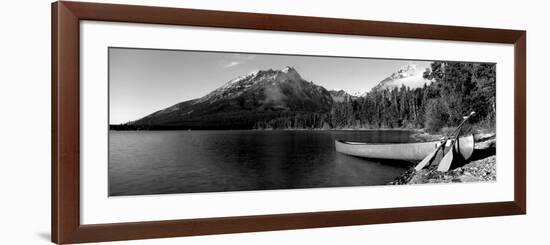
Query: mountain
269	99
343	96
358	94
407	75
243	102
340	95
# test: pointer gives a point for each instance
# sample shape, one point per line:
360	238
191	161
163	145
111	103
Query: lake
163	162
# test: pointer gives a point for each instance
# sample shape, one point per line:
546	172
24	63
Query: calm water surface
161	162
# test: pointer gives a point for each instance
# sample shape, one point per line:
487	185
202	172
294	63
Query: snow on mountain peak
358	94
407	75
291	73
407	68
237	85
405	71
342	95
288	69
241	78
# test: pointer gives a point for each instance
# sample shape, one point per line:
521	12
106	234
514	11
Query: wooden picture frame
66	226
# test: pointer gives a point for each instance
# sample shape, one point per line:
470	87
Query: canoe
403	151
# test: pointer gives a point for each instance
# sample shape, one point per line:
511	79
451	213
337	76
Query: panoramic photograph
185	121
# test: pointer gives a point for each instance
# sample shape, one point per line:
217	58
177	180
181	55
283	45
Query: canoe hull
402	151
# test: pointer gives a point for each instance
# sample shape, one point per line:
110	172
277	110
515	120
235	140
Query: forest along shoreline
480	168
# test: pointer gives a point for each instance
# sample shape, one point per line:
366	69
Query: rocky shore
480	168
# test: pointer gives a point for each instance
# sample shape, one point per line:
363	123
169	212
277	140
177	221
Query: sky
142	81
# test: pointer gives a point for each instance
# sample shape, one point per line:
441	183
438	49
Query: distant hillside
243	102
340	95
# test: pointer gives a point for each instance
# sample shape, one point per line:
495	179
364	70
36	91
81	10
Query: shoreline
480	168
416	130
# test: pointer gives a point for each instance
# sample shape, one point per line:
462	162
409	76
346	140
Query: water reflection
157	162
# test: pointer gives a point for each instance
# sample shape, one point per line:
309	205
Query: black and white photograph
191	121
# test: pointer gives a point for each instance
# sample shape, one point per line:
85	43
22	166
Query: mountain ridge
261	96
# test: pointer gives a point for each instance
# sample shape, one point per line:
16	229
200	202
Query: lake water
161	162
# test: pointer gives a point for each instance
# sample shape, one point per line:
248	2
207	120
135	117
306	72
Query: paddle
445	163
430	156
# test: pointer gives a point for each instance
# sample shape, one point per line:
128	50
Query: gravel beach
480	168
